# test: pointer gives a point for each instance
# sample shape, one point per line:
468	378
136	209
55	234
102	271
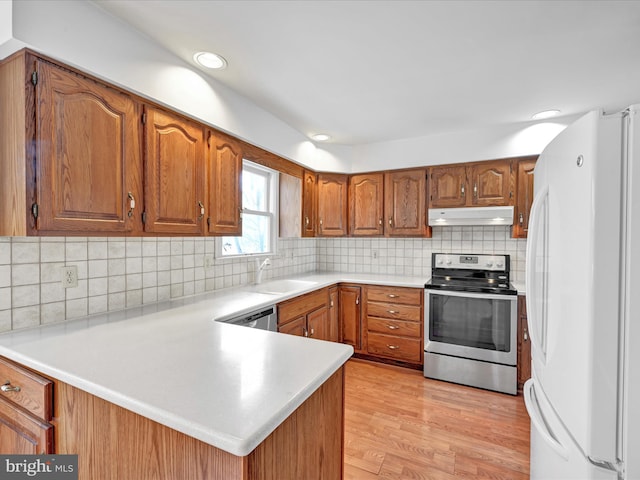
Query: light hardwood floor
400	425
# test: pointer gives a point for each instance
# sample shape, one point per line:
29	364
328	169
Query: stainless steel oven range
470	320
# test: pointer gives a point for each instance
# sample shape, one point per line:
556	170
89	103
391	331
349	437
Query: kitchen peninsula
164	391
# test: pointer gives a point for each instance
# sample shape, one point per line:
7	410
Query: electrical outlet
208	261
70	276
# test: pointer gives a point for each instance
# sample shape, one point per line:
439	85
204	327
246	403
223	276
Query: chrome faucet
260	269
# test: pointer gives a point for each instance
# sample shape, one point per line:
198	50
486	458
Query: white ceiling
368	71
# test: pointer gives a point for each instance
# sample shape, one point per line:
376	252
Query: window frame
270	212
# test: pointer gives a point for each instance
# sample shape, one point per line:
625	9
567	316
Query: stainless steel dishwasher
264	318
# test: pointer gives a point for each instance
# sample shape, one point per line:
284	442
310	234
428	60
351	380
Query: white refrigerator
583	302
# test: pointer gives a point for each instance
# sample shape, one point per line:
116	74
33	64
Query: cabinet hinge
34	78
144	217
144	118
34	210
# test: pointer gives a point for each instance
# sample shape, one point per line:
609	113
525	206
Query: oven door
478	326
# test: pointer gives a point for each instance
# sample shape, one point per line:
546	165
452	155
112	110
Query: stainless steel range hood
439	217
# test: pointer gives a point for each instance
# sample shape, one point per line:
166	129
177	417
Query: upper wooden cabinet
309	192
225	188
332	205
405	205
366	204
175	201
524	196
71	159
479	184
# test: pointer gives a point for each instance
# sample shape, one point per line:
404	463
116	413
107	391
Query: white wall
490	143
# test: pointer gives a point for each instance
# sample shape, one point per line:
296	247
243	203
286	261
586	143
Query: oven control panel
488	262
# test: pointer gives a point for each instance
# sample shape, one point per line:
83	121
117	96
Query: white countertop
226	385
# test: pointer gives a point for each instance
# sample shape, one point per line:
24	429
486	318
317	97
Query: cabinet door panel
318	324
366	204
524	197
225	189
175	183
297	327
309	192
333	334
332	205
491	183
405	202
448	187
88	155
22	433
351	331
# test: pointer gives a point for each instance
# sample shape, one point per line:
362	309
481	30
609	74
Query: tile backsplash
115	273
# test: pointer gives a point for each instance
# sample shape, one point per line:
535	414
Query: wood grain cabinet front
26	408
332	205
306	315
524	196
394	319
225	188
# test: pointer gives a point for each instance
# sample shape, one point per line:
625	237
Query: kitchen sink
278	287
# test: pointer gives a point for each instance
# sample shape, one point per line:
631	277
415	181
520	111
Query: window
259	201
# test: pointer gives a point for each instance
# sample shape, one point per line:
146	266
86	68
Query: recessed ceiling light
320	137
545	114
210	60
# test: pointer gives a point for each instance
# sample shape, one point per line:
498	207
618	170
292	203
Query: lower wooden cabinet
350	316
26	406
306	315
394	323
524	343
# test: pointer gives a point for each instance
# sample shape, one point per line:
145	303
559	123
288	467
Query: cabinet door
448	186
225	189
318	324
524	344
366	204
405	202
491	184
297	326
334	316
309	192
88	157
174	172
23	433
332	205
524	196
350	318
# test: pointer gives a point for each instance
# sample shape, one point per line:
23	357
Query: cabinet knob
475	189
462	190
201	210
6	387
521	219
380	222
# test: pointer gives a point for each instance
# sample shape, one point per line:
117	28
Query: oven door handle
487	296
534	319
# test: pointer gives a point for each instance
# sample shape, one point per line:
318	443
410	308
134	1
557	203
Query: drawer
290	309
407	296
394	327
34	394
411	313
398	348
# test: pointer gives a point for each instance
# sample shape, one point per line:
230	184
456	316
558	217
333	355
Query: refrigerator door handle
538	422
533	316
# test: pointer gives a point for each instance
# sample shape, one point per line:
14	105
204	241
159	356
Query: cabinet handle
357	300
475	190
393	327
525	335
462	190
380	222
393	347
306	221
331	303
6	387
521	219
305	332
132	204
201	210
392	311
391	221
391	295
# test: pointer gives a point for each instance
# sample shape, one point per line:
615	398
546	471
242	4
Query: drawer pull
391	295
6	387
393	327
392	311
393	347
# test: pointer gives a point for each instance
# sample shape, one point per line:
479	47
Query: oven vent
471	216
